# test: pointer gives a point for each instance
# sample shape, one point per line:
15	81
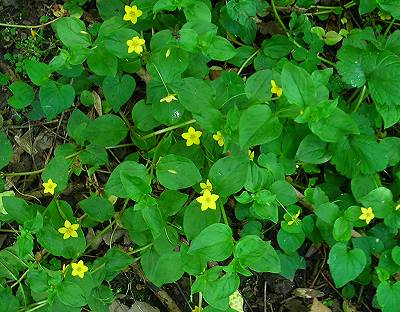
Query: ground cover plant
205	141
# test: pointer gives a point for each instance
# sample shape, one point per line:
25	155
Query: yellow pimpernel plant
367	214
295	218
250	153
219	138
79	269
135	45
69	230
49	186
132	13
208	200
275	89
169	98
192	136
206	186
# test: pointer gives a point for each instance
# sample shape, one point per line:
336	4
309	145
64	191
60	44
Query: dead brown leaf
317	306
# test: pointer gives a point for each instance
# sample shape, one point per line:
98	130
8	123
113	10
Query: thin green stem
161	77
139	249
34	306
389	27
20	279
247	61
200	300
29	26
150	135
326	61
18	174
224	215
277	16
120	146
360	98
8	231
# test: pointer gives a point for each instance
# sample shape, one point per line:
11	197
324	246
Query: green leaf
55	98
171	202
388	296
58	170
115	261
257	254
391	6
162	269
342	229
38	72
225	180
345	265
6	150
381	201
9	303
118	91
277	47
177	172
106	130
195	95
71	294
23	95
102	62
367	6
97	208
298	86
195	220
290	264
215	242
257	86
332	37
108	9
72	32
258	126
220	49
355	155
18	209
10	264
129	180
285	192
142	116
313	150
290	242
197	11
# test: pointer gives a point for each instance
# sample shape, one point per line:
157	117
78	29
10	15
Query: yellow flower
251	155
397	207
207	200
275	89
236	301
169	98
192	136
33	33
79	269
206	186
294	218
367	214
384	16
219	138
69	230
135	45
197	309
132	13
49	186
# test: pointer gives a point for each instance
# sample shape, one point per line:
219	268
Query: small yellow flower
197	309
275	89
69	230
397	207
294	218
33	33
79	269
219	138
384	16
367	214
169	98
251	155
49	186
132	13
135	45
207	200
192	136
206	186
64	269
236	301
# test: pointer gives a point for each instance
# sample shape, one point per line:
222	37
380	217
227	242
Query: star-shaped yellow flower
132	13
135	45
219	138
275	89
251	155
367	214
295	218
69	230
79	269
206	186
192	136
169	98
49	186
207	200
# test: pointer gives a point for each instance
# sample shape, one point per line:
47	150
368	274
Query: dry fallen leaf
307	293
139	306
317	306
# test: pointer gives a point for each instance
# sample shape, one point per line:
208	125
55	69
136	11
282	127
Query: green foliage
298	145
